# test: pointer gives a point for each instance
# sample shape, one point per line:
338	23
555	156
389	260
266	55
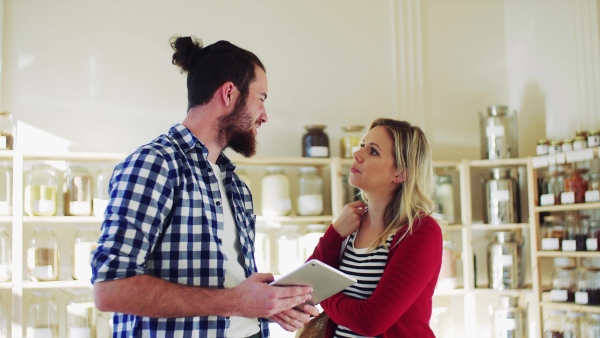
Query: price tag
592	196
560	158
547	199
567	197
539	161
569	245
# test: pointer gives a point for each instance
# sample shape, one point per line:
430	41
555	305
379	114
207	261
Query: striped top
367	268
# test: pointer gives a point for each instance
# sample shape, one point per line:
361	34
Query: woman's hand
350	218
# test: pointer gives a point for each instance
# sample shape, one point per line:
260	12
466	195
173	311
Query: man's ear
227	91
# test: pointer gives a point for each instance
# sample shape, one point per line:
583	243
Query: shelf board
436	164
75	156
509	162
62	219
69	284
454	227
282	161
511	226
300	219
570	307
6	219
568	207
5	285
482	291
580	254
452	292
6	154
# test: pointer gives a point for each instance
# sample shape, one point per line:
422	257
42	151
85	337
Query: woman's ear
400	176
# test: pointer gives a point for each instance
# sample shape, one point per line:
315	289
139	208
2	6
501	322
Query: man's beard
236	130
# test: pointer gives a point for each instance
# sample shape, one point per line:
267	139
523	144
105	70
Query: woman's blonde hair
413	198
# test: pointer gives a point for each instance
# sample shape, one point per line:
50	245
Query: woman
391	245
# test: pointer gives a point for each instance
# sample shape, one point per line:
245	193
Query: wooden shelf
570	307
452	292
511	162
282	161
491	227
514	292
6	154
75	157
299	219
579	254
568	207
62	220
5	285
70	284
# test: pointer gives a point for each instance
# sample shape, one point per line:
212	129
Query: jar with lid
573	324
553	230
275	193
542	147
3	320
7	131
41	189
314	232
42	255
350	140
588	286
567	145
81	315
84	242
555	147
563	284
501	194
554	324
5	256
262	247
509	318
576	233
593	241
289	248
580	142
552	186
593	138
310	196
77	192
6	201
101	194
444	197
43	316
593	192
447	277
243	175
498	130
315	142
593	326
575	187
505	267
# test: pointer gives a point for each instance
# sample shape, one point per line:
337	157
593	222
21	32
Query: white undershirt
234	270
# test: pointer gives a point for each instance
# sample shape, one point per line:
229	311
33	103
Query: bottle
101	194
311	239
509	318
315	143
593	241
576	233
593	192
85	241
42	256
554	233
81	315
501	194
7	131
6	200
43	316
244	177
447	276
3	320
573	324
498	130
505	270
310	197
350	140
262	248
5	256
444	196
275	193
289	248
554	324
551	186
41	189
575	187
77	192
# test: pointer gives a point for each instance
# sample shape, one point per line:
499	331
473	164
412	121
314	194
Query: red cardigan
401	304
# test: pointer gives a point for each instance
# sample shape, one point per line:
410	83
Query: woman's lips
354	170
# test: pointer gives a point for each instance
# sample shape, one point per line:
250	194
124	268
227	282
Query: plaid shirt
163	219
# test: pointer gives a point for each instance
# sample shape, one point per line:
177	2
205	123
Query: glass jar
553	233
501	195
84	242
541	148
311	239
3	320
580	142
243	175
101	194
567	145
575	187
275	193
498	130
310	197
505	267
447	277
588	286
350	140
42	255
6	178
351	193
5	256
509	318
576	233
563	284
593	241
574	324
81	315
262	248
593	326
43	316
551	187
289	248
315	143
593	139
555	147
444	197
77	192
593	192
41	189
554	324
7	131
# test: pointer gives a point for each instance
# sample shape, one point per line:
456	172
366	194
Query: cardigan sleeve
411	266
328	248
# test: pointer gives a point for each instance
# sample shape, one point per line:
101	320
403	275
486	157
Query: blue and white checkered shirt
161	220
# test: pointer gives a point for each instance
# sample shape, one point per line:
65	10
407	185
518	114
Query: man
176	253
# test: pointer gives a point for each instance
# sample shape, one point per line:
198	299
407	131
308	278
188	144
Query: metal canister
502	197
509	318
505	266
498	131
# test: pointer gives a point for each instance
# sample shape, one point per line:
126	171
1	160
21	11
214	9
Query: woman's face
374	167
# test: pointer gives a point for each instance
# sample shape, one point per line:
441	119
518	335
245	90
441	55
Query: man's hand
292	319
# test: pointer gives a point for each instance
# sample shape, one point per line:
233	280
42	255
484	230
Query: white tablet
325	280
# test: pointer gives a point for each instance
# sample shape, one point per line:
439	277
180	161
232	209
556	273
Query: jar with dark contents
588	286
563	284
555	147
554	323
315	142
553	233
577	233
7	131
575	186
593	240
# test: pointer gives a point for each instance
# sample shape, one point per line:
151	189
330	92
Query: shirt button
218	203
209	169
220	241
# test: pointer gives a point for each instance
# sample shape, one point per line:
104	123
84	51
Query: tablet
325	280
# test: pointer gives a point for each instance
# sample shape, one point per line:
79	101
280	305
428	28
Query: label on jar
282	204
588	154
4	276
547	199
560	158
551	244
507	324
44	206
506	260
319	151
79	332
567	197
541	149
494	131
566	147
571	156
569	245
559	295
554	149
581	297
540	162
593	141
591	244
2	142
43	272
310	205
592	196
39	333
82	252
500	195
80	208
579	144
5	209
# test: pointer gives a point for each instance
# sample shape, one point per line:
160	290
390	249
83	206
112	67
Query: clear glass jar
447	277
593	241
541	148
314	232
593	326
85	241
593	192
580	142
573	324
576	233
551	187
42	256
563	284
275	193
77	192
588	286
244	177
502	198
81	315
555	147
6	200
351	193
262	248
498	130
509	318
3	320
101	194
554	233
43	316
310	197
593	138
505	267
350	140
5	256
444	197
7	131
289	248
575	187
554	324
567	145
41	191
315	142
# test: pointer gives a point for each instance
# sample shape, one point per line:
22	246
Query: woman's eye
373	151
